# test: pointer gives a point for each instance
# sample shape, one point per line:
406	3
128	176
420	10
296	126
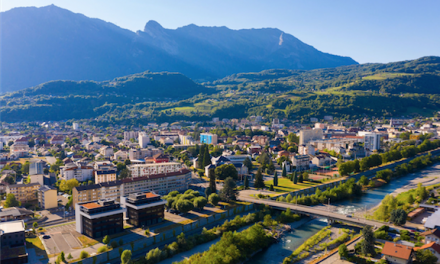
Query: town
77	193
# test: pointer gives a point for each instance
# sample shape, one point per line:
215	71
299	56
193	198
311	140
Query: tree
212	184
275	179
422	193
363	180
411	199
35	225
69	256
357	166
126	256
25	168
271	188
367	244
229	191
343	251
226	170
206	157
208	191
246	182
398	217
121	242
62	256
301	178
200	202
214	199
11	201
305	176
248	163
184	206
425	257
125	173
284	173
258	182
83	254
295	178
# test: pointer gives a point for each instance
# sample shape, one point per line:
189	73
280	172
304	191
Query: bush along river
307	227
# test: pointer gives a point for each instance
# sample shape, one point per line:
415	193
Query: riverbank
427	177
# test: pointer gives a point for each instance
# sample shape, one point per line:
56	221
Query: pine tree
295	178
206	157
200	158
284	172
246	183
275	179
259	183
301	178
212	185
271	188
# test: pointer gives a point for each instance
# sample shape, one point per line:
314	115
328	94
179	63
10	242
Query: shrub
102	249
83	254
114	244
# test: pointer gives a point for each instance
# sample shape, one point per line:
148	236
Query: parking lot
61	238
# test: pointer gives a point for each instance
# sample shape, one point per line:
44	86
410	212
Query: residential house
433	247
120	155
106	151
431	236
300	162
321	160
397	253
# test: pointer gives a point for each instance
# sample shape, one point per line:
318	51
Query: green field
385	75
285	185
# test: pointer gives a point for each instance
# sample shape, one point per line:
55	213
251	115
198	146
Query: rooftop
397	250
12	227
91	205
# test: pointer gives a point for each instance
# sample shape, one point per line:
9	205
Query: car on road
46	237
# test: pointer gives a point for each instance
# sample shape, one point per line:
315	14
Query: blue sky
367	31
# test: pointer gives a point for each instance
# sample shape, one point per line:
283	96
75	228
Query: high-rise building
36	167
130	134
310	134
372	141
208	138
144	140
75	126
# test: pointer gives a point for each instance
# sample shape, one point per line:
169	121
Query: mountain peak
152	25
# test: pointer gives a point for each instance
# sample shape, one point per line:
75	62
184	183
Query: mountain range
50	43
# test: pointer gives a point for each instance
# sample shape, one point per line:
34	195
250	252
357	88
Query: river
277	252
305	228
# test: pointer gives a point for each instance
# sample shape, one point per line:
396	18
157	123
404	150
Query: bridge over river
317	212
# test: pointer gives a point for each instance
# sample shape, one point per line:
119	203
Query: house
283	153
321	160
301	162
431	236
397	253
106	151
57	139
160	158
120	155
433	247
207	168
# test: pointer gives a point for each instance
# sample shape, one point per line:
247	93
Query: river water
305	228
277	252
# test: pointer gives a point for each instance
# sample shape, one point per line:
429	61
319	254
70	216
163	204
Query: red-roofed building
161	158
433	247
397	253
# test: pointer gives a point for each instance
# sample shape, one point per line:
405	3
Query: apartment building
105	175
47	197
144	208
208	138
142	170
24	192
130	134
159	183
37	167
79	171
144	140
99	218
98	191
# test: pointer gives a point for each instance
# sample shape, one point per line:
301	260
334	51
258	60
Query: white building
75	126
141	170
130	134
301	162
305	136
120	155
76	171
372	141
144	140
106	151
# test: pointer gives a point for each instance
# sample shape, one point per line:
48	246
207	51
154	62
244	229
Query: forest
350	92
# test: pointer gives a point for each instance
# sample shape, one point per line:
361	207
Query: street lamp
329	204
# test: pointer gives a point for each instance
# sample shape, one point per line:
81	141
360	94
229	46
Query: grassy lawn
285	185
87	241
35	242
